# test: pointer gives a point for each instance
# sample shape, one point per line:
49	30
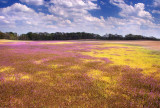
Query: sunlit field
81	74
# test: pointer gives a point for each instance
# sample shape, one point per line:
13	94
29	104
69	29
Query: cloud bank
75	16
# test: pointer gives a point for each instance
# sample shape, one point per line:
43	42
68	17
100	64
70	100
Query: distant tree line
127	37
70	36
58	36
8	35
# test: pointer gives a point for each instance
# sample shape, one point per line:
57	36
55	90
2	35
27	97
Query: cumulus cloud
156	3
17	7
87	4
134	19
3	20
76	11
138	10
134	25
33	2
70	8
74	16
19	16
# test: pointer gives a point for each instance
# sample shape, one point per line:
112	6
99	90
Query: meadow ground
111	74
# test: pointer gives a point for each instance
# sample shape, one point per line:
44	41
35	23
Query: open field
111	74
153	45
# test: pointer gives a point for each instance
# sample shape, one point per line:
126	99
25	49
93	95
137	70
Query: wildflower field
85	74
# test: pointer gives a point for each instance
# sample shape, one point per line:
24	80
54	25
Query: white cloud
134	19
33	2
87	4
17	7
138	10
76	11
3	20
156	3
20	16
2	17
72	8
156	11
74	16
135	26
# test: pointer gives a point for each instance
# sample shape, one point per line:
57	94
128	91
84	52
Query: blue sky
95	16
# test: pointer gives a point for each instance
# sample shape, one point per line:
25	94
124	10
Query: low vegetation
71	36
78	74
